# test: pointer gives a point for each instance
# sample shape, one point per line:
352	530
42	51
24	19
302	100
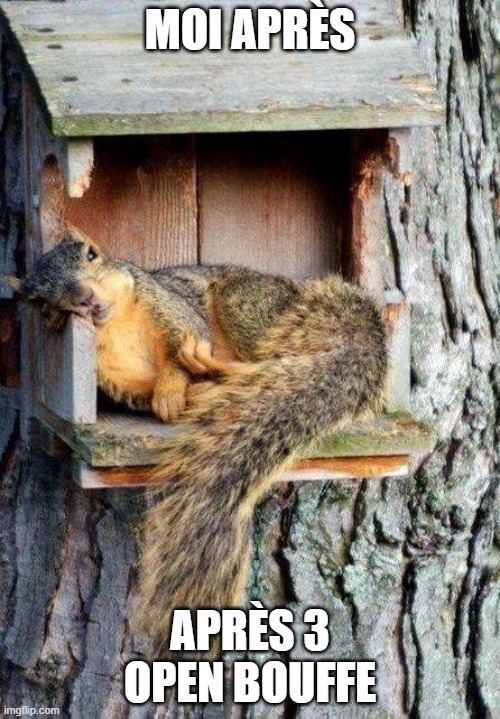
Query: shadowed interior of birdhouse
274	202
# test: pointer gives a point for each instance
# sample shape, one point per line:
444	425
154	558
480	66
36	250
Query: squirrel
293	359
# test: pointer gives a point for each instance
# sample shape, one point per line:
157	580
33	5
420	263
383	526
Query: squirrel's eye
91	255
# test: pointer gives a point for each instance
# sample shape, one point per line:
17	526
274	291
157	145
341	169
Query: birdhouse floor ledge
113	451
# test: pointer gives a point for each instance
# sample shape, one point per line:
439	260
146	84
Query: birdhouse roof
93	76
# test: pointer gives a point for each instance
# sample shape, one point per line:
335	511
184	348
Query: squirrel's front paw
168	405
169	395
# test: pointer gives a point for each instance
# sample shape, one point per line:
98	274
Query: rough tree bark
410	571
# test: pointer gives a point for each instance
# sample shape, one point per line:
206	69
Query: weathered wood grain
117	440
381	83
273	202
347	468
391	434
78	165
42	230
363	254
398	326
86	18
67	370
313	470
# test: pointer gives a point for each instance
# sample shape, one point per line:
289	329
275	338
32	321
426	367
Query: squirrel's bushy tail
240	433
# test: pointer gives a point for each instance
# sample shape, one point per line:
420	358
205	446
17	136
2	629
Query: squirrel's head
60	281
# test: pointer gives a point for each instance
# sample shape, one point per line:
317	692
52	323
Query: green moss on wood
108	444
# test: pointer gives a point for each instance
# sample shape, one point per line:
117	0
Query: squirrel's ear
15	284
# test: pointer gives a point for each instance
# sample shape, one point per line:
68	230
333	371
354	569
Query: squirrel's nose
84	296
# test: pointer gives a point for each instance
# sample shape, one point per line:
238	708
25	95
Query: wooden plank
367	210
89	477
400	158
272	202
90	18
388	434
373	154
67	374
129	440
41	231
77	166
42	227
347	468
382	82
398	386
115	440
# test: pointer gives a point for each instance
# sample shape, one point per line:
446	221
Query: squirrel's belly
126	360
136	378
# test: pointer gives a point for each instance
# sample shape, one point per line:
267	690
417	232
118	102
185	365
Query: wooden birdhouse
274	160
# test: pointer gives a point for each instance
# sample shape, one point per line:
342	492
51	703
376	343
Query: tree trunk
409	570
